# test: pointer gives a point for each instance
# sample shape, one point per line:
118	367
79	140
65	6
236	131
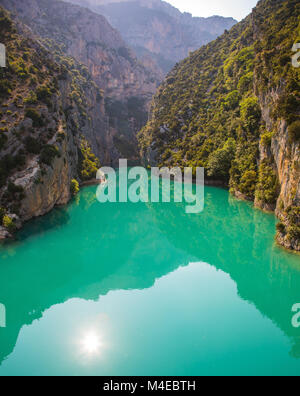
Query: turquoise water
145	289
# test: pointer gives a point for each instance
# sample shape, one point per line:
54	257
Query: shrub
7	164
219	161
232	100
74	188
280	227
8	223
287	107
19	160
43	94
89	163
245	82
293	232
5	88
293	215
48	154
2	213
32	145
5	22
266	139
31	98
13	193
248	182
3	140
267	188
294	132
250	113
35	116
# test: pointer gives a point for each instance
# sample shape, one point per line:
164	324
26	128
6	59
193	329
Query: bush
35	116
248	183
287	107
293	232
74	188
266	139
5	22
293	215
250	113
48	154
32	145
219	161
245	82
3	140
267	188
13	193
89	163
43	94
2	214
231	100
7	164
31	98
8	223
5	88
280	227
294	132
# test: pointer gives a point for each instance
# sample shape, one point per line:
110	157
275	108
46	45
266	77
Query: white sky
237	9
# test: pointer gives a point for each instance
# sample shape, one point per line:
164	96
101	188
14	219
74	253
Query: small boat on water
101	177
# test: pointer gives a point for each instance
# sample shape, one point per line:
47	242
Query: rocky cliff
89	39
155	29
233	108
49	110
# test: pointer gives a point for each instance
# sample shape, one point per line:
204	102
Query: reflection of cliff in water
239	240
69	254
79	260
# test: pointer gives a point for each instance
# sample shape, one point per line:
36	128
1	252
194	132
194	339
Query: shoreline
6	237
90	183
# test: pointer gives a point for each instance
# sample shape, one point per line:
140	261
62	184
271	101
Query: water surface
145	289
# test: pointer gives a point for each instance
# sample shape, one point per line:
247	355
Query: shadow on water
86	250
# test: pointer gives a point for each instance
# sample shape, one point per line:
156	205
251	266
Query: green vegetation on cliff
88	162
26	126
45	100
233	108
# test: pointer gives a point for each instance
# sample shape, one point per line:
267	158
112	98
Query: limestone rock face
46	118
286	157
44	190
127	83
4	234
88	37
157	29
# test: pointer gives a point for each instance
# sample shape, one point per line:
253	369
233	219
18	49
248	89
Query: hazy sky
237	9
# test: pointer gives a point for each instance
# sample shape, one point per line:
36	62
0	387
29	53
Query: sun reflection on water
91	343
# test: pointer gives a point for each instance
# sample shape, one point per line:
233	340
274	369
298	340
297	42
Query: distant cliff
157	30
233	107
